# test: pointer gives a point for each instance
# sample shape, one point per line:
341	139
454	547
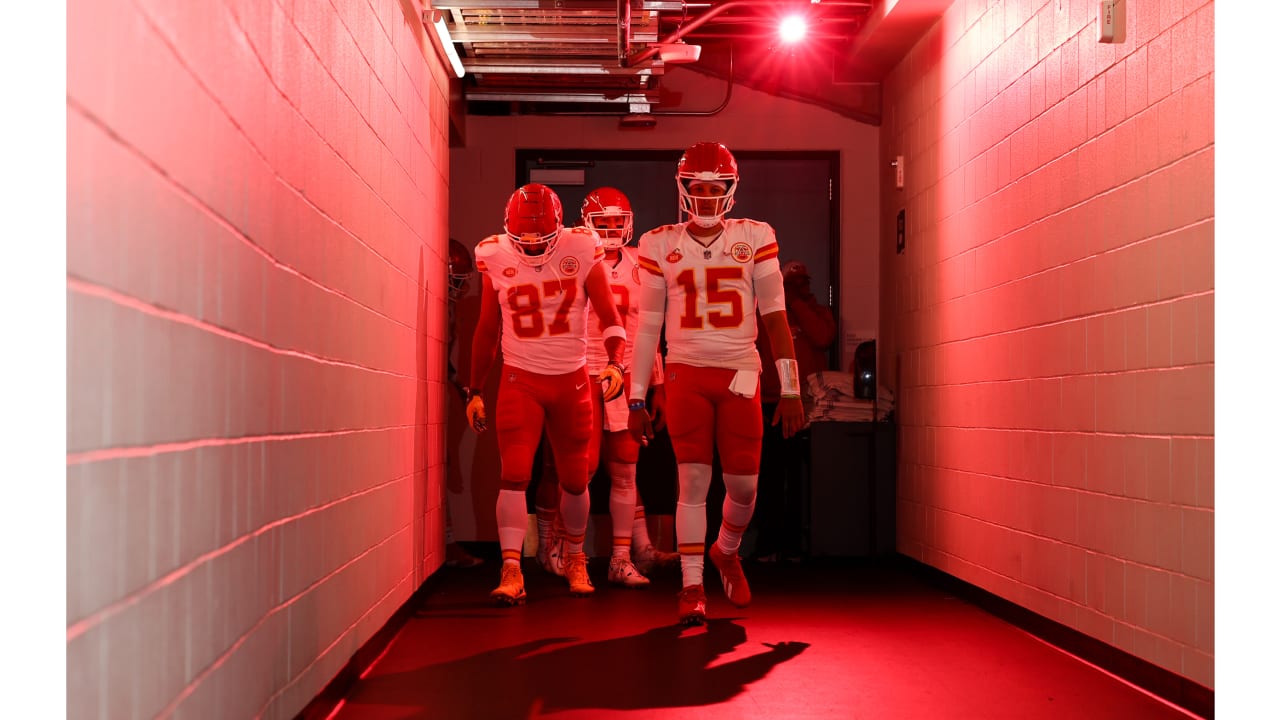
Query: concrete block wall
1050	324
257	213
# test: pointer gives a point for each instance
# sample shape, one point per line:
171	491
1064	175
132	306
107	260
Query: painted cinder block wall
1049	326
257	206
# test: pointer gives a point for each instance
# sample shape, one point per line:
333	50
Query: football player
537	279
608	211
705	277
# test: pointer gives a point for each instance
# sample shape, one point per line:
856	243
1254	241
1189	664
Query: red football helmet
460	269
533	222
607	211
710	164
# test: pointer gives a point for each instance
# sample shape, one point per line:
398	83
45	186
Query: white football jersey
624	281
711	297
544	309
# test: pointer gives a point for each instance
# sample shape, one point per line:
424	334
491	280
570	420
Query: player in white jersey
538	277
706	277
608	211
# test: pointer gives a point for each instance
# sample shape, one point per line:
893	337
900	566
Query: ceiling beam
513	95
550	5
552	66
575	34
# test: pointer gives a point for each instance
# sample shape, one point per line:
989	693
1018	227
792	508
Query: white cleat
623	572
552	560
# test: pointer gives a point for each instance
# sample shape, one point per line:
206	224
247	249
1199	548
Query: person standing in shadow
784	462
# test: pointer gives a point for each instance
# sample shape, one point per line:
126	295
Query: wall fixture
435	19
679	52
1111	21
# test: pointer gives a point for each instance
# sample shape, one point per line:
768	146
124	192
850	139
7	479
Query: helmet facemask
460	269
532	248
458	283
711	163
706	210
608	211
614	225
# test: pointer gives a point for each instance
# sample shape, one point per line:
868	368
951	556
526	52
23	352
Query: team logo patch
740	252
635	274
509	272
569	265
674	256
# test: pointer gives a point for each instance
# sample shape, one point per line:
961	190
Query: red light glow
792	29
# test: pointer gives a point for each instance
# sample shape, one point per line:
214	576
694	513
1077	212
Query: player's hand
611	381
790	413
639	426
475	413
658	408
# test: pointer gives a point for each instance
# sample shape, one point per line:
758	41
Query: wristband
614	331
636	405
788	377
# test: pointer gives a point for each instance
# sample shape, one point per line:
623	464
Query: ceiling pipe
711	14
728	93
624	31
686	29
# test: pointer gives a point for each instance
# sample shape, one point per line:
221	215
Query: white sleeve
653	308
769	294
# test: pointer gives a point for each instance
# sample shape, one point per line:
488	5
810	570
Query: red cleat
692	605
731	577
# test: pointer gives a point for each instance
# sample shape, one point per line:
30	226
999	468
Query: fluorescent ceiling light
442	32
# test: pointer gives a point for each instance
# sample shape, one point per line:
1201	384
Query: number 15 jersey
711	294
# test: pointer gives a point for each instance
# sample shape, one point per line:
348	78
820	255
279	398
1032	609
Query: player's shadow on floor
661	668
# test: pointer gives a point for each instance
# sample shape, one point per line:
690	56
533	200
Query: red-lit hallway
265	450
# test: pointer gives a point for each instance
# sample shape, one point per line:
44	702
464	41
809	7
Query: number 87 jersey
544	307
711	291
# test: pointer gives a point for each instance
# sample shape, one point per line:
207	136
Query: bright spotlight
792	29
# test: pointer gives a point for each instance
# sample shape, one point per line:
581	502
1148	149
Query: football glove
475	411
610	380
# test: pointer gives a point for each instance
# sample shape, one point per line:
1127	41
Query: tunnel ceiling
554	57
